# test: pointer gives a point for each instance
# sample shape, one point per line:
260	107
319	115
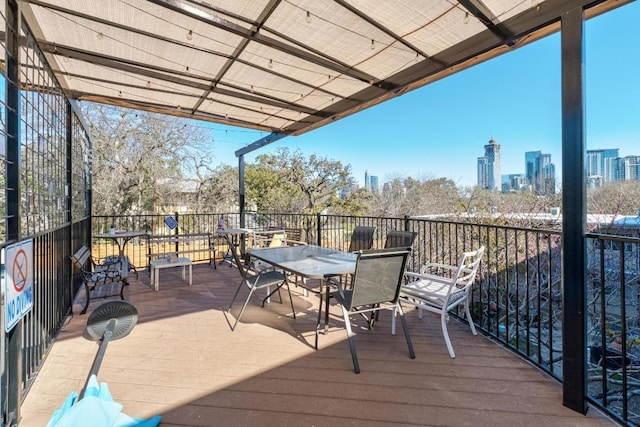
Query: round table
121	238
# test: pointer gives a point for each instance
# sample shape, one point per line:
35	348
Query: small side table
157	264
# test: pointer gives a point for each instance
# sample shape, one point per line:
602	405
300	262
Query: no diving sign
18	282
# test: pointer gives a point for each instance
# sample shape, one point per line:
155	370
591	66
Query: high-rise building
483	172
626	168
600	166
513	182
531	168
540	173
489	167
373	183
548	180
370	182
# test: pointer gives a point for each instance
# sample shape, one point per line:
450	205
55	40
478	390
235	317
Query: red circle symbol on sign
20	270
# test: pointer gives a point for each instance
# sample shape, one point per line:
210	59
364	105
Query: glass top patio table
312	262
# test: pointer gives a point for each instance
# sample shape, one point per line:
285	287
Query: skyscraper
373	183
600	165
489	167
370	182
540	173
627	168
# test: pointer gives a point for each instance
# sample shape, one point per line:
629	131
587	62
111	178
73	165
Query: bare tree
219	192
144	161
616	198
408	196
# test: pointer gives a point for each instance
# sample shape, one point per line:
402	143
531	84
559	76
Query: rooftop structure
284	67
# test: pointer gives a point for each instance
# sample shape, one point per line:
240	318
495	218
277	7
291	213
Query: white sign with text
18	282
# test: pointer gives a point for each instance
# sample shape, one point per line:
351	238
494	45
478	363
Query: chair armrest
436	266
109	274
106	261
110	264
429	277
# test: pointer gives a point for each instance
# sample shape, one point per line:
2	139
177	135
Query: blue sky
440	130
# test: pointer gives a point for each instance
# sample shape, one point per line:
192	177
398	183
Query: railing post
12	388
177	232
574	211
318	229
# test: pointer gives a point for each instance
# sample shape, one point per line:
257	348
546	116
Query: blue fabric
66	406
96	408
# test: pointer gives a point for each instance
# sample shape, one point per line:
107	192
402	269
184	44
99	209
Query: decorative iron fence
517	298
45	191
613	325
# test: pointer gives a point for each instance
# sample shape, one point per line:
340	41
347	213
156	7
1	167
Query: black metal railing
54	287
517	298
613	325
136	249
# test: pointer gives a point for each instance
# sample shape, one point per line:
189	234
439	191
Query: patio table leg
319	317
326	308
326	285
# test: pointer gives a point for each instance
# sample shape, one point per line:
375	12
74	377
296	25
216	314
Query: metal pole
574	211
13	347
69	189
241	189
95	367
242	199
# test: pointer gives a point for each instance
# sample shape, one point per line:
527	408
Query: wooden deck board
182	361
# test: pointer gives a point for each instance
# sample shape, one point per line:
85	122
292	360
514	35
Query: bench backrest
163	238
178	243
81	257
297	235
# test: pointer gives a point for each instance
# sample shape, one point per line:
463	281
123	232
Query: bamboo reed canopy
281	66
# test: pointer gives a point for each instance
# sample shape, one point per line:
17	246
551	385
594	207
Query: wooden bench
181	246
293	236
97	276
267	238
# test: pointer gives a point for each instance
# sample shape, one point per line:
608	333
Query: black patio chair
400	239
362	238
263	280
376	286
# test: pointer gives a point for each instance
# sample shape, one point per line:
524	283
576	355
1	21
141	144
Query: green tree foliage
290	182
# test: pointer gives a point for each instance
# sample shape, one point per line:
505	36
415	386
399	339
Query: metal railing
517	297
54	287
613	325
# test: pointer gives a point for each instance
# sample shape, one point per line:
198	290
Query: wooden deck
182	361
